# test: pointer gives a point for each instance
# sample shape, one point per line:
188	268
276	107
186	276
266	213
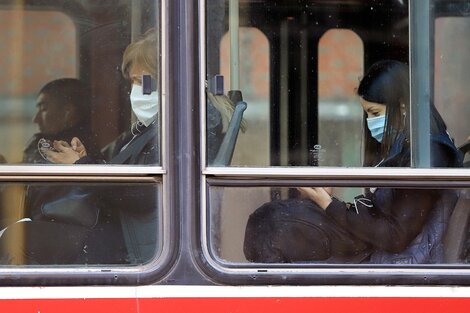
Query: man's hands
66	153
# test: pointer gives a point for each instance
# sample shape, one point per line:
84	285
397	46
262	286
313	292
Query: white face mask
145	107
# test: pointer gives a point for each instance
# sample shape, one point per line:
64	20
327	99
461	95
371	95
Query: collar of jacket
401	147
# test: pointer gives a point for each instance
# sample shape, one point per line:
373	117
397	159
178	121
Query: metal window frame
84	274
420	175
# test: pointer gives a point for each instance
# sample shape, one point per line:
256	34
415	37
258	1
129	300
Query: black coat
127	228
403	225
37	195
384	226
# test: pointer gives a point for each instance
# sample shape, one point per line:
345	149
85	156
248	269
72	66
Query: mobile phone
45	145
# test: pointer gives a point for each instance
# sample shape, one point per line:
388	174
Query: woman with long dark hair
384	225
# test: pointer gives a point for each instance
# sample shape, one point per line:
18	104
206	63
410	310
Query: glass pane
452	72
79	223
367	226
69	72
298	66
340	117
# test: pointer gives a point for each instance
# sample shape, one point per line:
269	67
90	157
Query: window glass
254	74
452	56
384	225
87	70
302	64
37	47
340	67
81	85
79	223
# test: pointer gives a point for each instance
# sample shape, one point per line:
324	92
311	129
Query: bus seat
454	239
225	152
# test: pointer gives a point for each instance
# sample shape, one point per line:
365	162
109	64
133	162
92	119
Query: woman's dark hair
387	82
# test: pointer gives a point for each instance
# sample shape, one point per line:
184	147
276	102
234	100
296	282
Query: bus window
264	226
112	102
81	86
314	58
81	223
342	91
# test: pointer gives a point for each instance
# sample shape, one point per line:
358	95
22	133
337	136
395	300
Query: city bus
255	98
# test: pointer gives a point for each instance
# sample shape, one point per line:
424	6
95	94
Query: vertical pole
234	45
422	78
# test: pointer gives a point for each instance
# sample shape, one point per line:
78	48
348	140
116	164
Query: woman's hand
67	154
319	195
78	146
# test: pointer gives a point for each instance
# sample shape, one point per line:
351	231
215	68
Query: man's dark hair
70	91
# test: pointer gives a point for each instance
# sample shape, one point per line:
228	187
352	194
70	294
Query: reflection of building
452	75
340	64
36	47
340	68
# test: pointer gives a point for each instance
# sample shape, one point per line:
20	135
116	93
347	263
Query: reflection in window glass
86	70
339	114
254	82
299	66
452	74
376	226
37	47
72	223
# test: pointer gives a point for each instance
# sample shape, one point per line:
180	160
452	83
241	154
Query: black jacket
403	225
37	195
128	211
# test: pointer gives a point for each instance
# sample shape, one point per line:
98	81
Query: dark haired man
63	112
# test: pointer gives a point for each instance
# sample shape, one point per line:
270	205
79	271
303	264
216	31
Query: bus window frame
122	274
420	175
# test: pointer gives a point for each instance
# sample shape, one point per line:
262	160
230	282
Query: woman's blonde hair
226	107
143	52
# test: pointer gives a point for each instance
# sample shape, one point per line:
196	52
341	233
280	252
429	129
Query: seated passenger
63	111
383	226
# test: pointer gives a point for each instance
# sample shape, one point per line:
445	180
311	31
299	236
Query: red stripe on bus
238	305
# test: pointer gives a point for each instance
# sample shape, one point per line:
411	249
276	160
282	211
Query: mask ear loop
403	114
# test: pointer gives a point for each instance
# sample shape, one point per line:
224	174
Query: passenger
49	240
383	226
136	210
63	111
140	58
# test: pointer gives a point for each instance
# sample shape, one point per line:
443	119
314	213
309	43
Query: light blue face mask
376	126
